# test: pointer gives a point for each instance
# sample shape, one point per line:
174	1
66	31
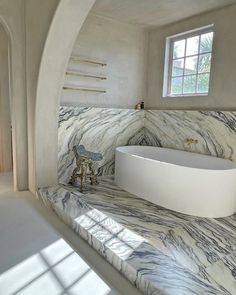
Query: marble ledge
157	250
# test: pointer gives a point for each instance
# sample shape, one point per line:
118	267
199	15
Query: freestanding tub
185	182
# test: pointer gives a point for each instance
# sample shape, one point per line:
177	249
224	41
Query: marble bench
157	250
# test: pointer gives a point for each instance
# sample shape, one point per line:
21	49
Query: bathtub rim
119	149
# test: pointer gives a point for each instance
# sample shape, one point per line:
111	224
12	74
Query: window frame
169	60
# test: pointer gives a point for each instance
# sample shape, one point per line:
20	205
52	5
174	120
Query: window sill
186	96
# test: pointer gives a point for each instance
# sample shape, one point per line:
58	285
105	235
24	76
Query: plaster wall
38	17
123	48
26	23
12	19
42	35
222	83
5	115
65	26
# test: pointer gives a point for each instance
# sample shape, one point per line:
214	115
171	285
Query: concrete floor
34	257
6	182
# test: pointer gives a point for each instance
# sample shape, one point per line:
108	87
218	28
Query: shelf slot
74	73
75	88
89	61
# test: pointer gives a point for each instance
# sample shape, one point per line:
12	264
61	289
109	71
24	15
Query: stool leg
74	176
81	182
83	176
93	176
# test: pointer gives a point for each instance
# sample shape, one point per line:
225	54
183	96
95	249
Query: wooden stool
84	166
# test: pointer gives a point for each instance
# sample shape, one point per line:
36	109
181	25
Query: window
188	63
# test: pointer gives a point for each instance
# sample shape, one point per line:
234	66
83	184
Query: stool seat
81	151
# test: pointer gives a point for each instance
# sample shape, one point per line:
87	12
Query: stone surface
158	250
102	130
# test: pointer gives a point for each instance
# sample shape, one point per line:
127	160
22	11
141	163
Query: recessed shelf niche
80	75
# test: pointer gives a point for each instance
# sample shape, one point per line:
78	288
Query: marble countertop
157	250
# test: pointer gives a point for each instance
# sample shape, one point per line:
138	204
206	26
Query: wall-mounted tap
191	141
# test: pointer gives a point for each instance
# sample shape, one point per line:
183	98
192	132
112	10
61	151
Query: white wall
5	115
222	84
124	48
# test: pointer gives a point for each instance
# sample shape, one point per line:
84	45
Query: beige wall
42	35
222	94
124	48
5	115
38	17
12	19
28	44
65	26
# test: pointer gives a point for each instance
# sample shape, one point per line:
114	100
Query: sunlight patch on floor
55	270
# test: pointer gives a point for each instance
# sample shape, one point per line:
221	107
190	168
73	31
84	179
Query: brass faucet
191	141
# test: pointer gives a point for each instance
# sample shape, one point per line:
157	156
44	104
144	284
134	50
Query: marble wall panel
214	131
99	130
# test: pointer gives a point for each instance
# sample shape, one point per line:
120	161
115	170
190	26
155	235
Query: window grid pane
190	84
200	53
192	56
178	67
192	45
190	74
204	65
206	42
191	65
177	85
179	49
203	83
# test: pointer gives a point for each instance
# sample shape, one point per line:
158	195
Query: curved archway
67	22
16	95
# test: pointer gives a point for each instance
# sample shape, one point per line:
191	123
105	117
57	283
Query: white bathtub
181	181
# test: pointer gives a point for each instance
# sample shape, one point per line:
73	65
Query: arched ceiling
154	13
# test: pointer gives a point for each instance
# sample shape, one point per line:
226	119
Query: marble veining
158	250
214	131
102	130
